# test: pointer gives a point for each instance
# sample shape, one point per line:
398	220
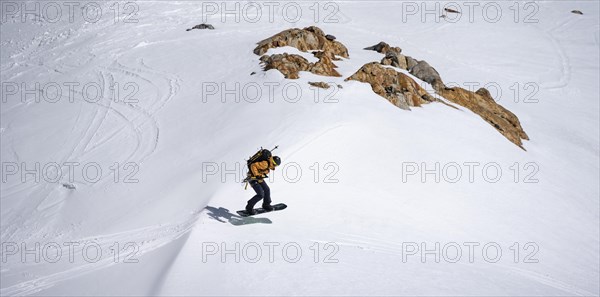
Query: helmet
276	160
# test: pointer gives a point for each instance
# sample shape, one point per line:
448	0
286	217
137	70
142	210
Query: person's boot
250	209
267	207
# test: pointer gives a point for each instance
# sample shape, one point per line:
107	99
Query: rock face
393	56
394	59
480	102
410	63
307	39
428	74
290	65
202	27
398	88
311	38
383	48
320	84
325	65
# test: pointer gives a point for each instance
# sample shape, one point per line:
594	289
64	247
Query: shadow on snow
224	216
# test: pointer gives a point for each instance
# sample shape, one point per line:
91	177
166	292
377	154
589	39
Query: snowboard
260	210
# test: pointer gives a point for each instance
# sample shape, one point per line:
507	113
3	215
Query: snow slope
167	130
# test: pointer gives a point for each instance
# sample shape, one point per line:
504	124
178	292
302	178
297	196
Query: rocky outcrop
308	39
383	48
291	64
410	62
288	65
322	85
420	69
394	59
393	56
423	71
323	47
202	27
398	88
451	10
480	102
325	65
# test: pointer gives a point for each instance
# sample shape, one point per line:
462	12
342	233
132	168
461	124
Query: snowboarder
256	175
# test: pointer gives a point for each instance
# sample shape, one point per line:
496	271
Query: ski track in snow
137	121
147	114
565	64
369	243
147	239
143	123
392	248
552	282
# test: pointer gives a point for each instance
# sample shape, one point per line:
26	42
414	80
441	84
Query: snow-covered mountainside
124	138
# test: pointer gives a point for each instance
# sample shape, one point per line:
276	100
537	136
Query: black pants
262	192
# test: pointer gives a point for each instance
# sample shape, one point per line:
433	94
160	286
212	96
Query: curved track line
148	239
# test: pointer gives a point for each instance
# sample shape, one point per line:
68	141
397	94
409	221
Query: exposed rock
428	74
340	86
307	39
420	69
398	88
383	48
325	65
577	12
324	47
202	26
252	73
378	47
450	10
69	186
320	84
290	65
482	103
394	59
410	62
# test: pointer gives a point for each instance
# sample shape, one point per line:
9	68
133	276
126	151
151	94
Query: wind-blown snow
172	212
